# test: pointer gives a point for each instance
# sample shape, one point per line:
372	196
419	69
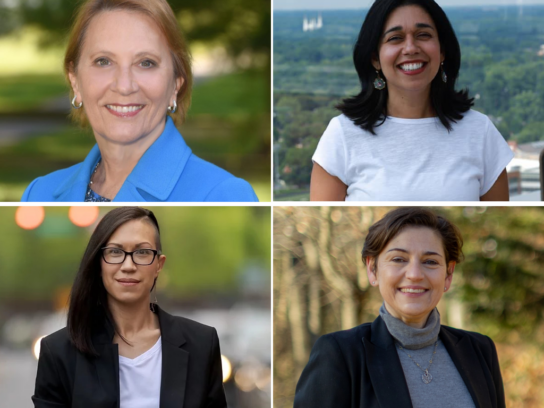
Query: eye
430	262
143	252
397	259
102	62
148	64
394	38
425	35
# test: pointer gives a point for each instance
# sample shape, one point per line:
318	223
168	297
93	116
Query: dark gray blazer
360	368
191	369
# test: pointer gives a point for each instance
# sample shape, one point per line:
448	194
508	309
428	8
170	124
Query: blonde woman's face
125	77
412	274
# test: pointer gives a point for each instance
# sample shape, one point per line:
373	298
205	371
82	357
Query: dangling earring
173	109
444	76
379	82
74	103
153	305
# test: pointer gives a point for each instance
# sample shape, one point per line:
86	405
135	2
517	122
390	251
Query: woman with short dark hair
409	135
405	358
118	350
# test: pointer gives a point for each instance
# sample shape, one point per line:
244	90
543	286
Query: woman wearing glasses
117	349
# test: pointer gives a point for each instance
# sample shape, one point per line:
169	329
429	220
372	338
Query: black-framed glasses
143	256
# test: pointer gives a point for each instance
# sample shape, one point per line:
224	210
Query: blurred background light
227	368
29	218
36	347
83	216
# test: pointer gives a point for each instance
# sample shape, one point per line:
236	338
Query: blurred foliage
208	250
241	26
497	291
28	92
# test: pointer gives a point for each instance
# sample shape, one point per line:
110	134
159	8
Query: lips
125	111
128	282
412	67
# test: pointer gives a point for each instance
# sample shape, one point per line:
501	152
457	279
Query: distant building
312	24
524	169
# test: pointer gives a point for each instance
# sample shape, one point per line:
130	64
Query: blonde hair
161	13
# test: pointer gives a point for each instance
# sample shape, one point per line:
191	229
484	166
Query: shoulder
194	328
59	345
474	119
211	183
42	188
478	340
344	338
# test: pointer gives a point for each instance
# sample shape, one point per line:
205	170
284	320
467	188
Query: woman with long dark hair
409	135
118	349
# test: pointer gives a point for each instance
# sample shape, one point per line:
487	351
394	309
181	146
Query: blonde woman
129	70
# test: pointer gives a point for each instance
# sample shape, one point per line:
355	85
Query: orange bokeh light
29	218
83	216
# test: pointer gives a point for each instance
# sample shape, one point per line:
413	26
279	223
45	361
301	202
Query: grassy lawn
27	92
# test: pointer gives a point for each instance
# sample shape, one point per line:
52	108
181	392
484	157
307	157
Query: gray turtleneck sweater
447	389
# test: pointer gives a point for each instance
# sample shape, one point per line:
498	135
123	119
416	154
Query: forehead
124	32
417	239
407	17
134	231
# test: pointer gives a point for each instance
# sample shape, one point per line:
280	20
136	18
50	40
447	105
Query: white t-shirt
414	159
140	379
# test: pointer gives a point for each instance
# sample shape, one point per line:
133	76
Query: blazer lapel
384	367
467	362
175	362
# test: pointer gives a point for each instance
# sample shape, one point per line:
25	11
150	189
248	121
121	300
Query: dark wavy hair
383	231
88	299
370	106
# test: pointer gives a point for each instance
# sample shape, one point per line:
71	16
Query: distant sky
359	4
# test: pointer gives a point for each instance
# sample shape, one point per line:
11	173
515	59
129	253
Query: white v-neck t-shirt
414	159
140	379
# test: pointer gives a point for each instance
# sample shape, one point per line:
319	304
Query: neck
118	160
412	334
410	105
133	318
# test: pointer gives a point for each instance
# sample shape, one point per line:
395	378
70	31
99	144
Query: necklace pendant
427	377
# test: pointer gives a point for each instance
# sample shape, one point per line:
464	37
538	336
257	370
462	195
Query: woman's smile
412	67
125	111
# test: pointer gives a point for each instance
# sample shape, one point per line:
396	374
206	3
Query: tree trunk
339	283
295	314
314	286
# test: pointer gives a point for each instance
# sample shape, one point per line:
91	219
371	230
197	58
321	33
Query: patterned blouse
91	196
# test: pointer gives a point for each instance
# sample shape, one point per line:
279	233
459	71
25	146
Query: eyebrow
141	53
141	244
399	28
406	252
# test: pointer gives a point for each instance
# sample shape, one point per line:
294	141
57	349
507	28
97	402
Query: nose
128	265
414	271
410	45
124	82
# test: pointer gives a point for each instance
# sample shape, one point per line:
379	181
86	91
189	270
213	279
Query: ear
179	83
449	276
160	264
73	82
371	269
376	62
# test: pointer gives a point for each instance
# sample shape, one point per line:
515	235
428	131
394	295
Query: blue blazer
168	171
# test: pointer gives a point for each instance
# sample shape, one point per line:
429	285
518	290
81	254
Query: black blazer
191	369
360	368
